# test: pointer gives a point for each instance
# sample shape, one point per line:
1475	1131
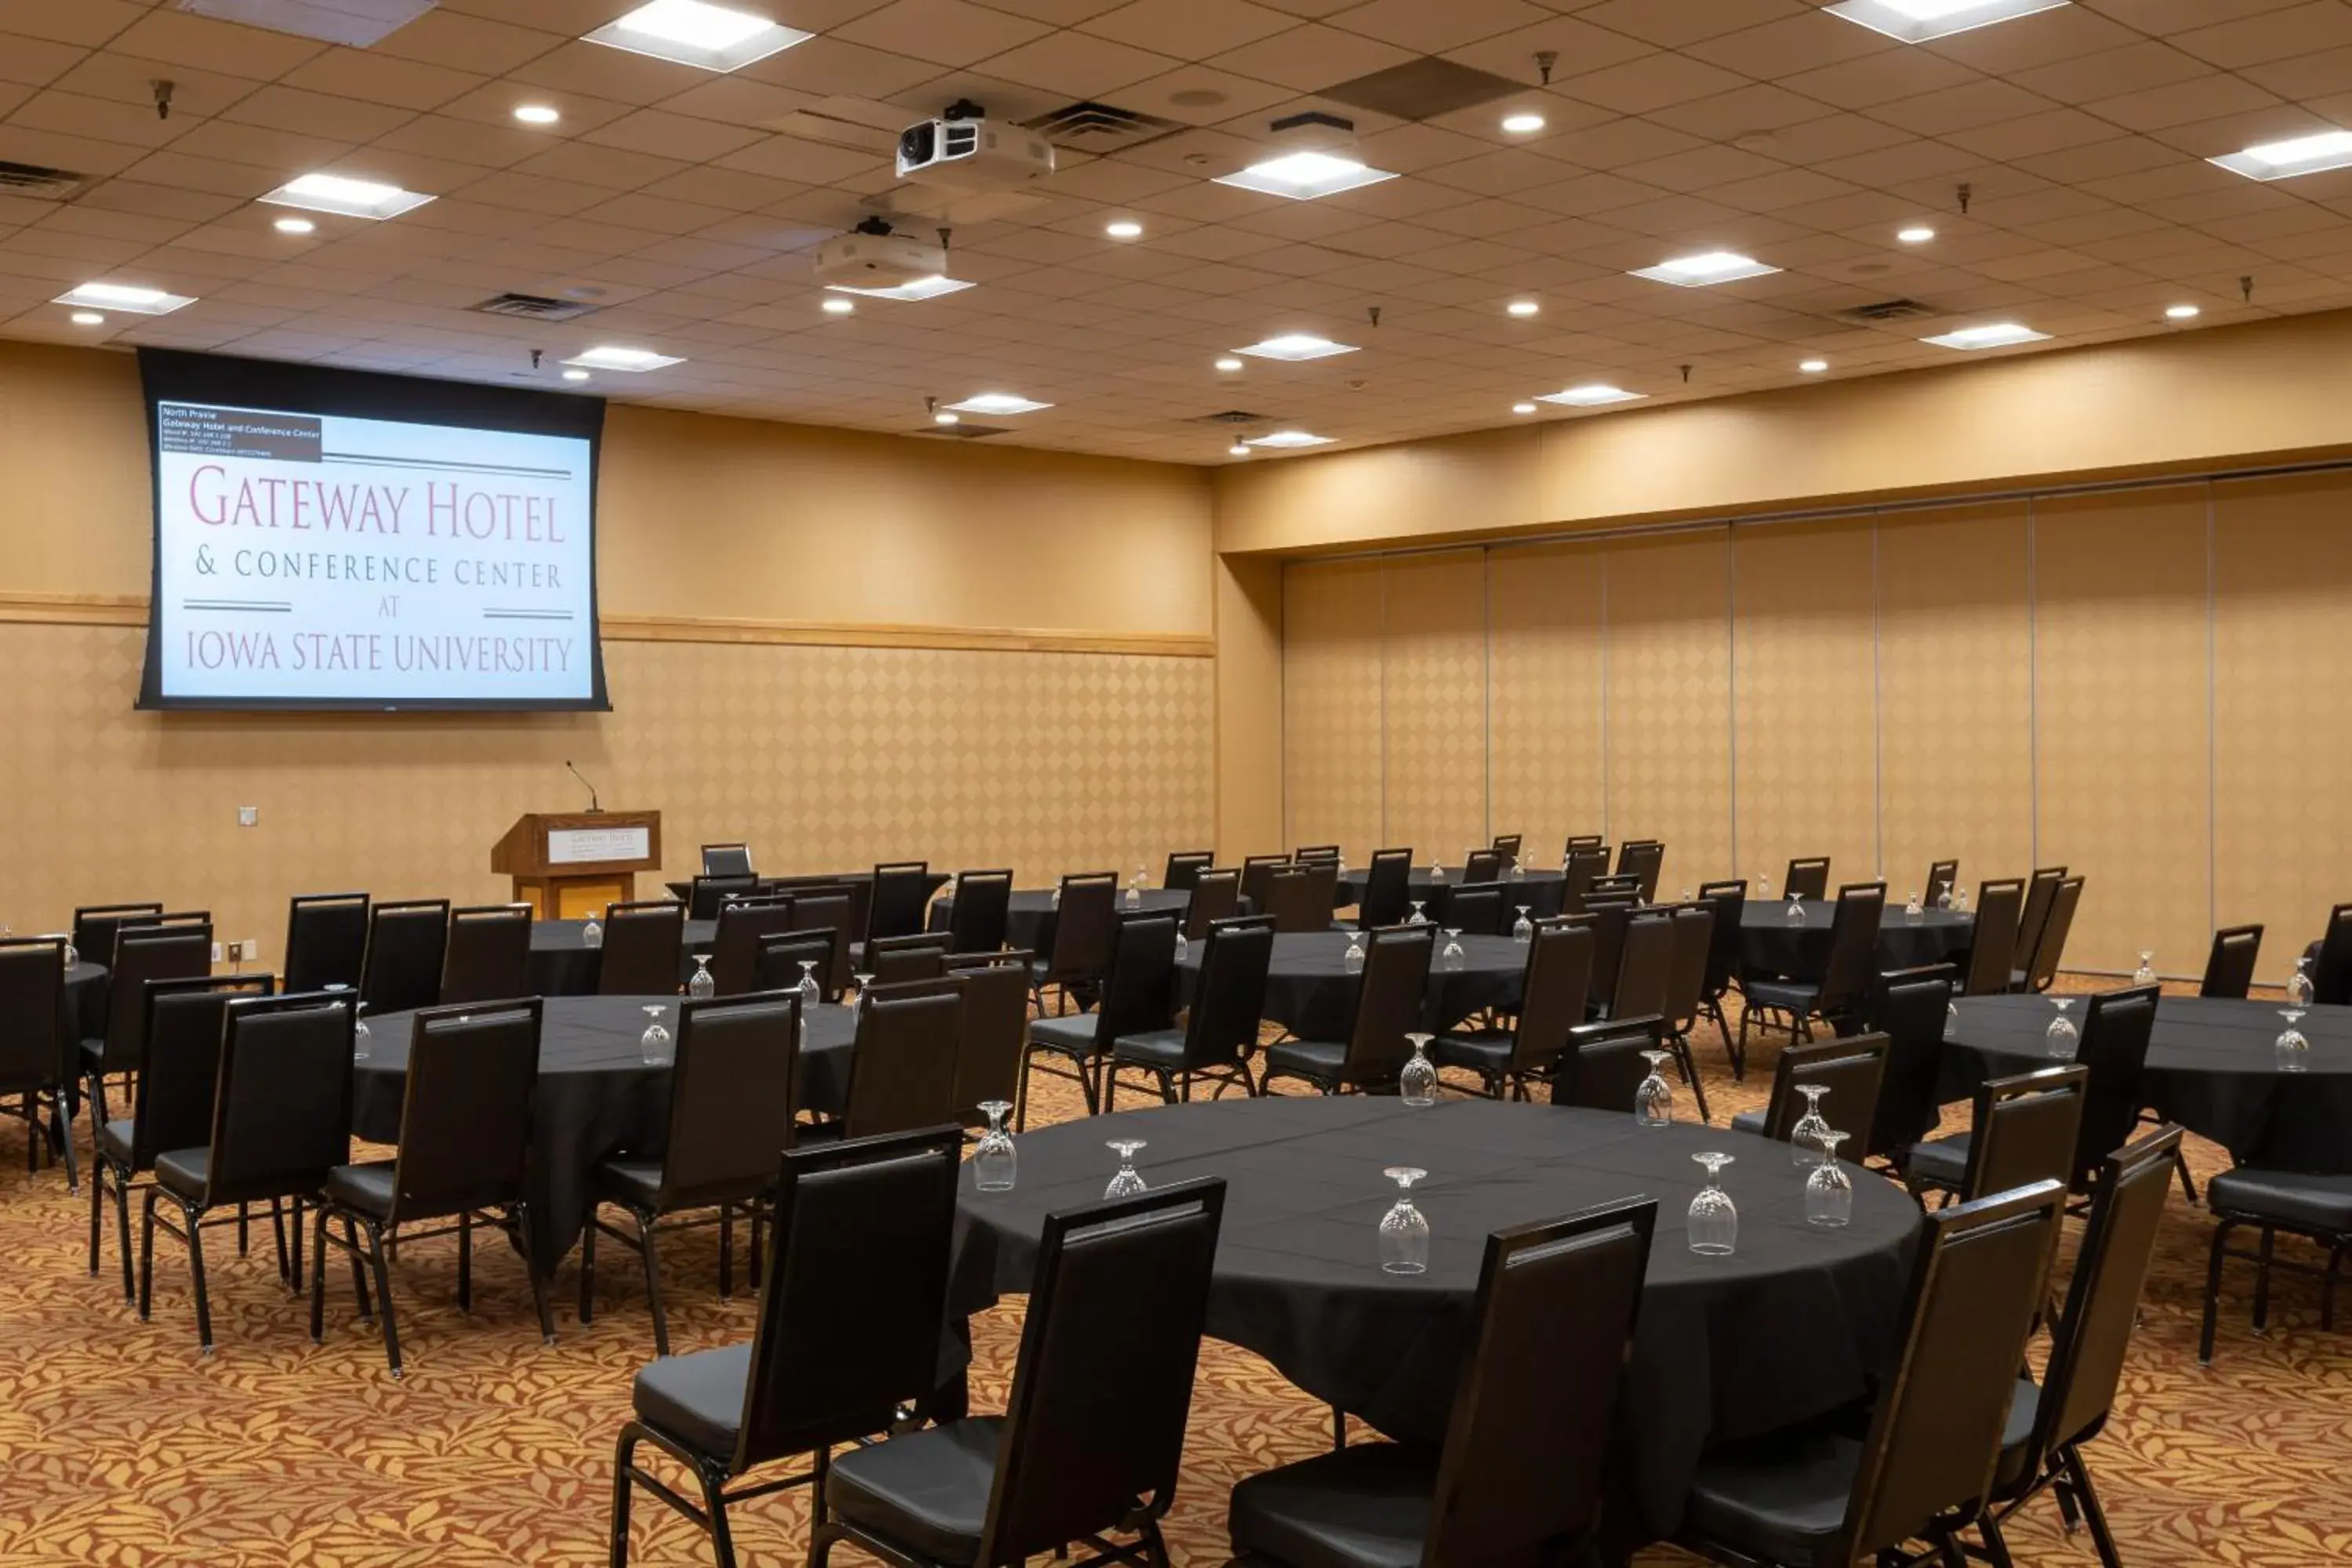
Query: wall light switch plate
249	949
248	816
216	953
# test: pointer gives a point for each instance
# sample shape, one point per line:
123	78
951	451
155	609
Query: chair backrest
1553	990
1509	845
1216	896
1085	927
640	955
826	907
1474	909
32	1011
179	1061
1852	1068
94	926
1184	868
742	923
1387	888
2050	950
712	889
896	960
2331	977
170	919
854	1299
1306	852
1584	864
1908	1007
1603	1064
1809	878
1686	978
1483	866
283	1113
1138	989
405	944
1230	998
326	941
1608	917
1645	964
1730	901
2230	967
730	1098
2093	1334
1534	1418
466	1117
2023	1130
2115	1030
1116	1310
141	957
1977	1278
995	1027
2040	888
1852	960
488	956
1257	873
902	1067
1992	949
1942	876
777	965
1388	1002
1626	885
902	898
726	859
1644	858
1583	841
1299	897
981	913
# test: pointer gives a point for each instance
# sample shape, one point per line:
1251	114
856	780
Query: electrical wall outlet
248	816
216	953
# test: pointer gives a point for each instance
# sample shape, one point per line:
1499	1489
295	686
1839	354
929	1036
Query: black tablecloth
1031	914
1794	1324
1309	991
1541	891
2211	1068
682	891
595	1097
561	964
1768	944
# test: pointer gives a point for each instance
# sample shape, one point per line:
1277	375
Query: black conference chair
1219	1030
1388	1007
1645	966
1474	909
1508	845
1577	841
1992	946
1851	1069
1909	1007
1300	895
981	913
897	960
280	1121
726	859
1086	928
710	892
33	1066
1728	902
851	1311
1924	1469
902	898
2331	976
1114	1324
1553	990
1943	877
1331	853
902	1065
95	925
642	942
1519	1478
744	925
490	954
2305	1203
2050	948
730	1110
2021	1129
1584	864
785	956
1482	866
825	907
1844	981
1184	868
2230	967
326	941
1604	1064
1644	858
142	956
1808	877
994	1029
1388	890
407	942
1216	896
1138	997
465	1132
1257	873
2041	890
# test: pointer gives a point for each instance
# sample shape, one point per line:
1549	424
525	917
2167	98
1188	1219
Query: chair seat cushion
1320	1059
367	1188
1789	996
183	1171
1366	1506
2024	1406
114	1138
1162	1049
1781	1498
1940	1161
1486	1051
636	1183
2323	1203
1748	1121
926	1493
1073	1035
696	1398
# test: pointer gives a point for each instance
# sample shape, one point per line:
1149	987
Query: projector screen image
377	547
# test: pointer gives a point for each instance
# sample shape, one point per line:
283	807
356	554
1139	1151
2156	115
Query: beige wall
842	647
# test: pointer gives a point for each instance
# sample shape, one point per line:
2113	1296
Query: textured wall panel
1669	693
1331	708
1545	702
1434	649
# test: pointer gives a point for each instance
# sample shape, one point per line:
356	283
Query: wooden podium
569	864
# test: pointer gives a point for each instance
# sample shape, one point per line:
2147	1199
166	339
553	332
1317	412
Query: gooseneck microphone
594	807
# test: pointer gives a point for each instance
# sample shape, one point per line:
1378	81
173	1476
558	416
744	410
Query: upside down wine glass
1450	959
1795	911
1653	1097
993	1158
1829	1191
2146	974
1805	1137
2294	1050
1913	910
865	984
1417	1079
362	1042
653	1044
701	987
1417	918
1128	1182
1713	1222
2299	988
812	994
592	932
2060	1040
1353	960
1404	1230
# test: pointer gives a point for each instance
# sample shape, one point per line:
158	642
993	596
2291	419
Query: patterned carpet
120	1446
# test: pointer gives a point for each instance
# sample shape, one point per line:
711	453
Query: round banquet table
2211	1068
1030	913
1796	1324
1309	991
595	1097
1541	891
1768	944
563	964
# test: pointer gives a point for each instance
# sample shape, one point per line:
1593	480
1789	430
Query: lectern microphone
594	807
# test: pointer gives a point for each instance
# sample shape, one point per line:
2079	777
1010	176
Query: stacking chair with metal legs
1258	878
1138	997
2230	967
2033	916
1849	1069
488	955
786	957
1220	1030
1388	890
1992	949
897	960
326	941
1184	868
1728	902
1685	993
993	1032
95	926
1943	877
1086	925
1909	1007
1581	866
902	1064
142	955
1552	993
406	944
744	924
902	898
980	913
708	893
1388	1007
34	1070
852	1307
1216	896
2331	976
2050	948
2021	1129
1604	1064
1300	897
642	944
726	859
1808	877
1844	982
1644	858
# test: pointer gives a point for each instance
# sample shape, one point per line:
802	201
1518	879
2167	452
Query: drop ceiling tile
945	32
2182	103
616	74
1429	29
2052	130
1311	58
1704	168
1653	82
1882	78
445	36
100	119
315	114
2277	35
1075	66
1985	101
666	135
50	149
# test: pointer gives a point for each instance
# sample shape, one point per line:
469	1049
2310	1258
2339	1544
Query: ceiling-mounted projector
964	151
871	256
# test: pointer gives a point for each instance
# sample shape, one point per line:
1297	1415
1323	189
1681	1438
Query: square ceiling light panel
715	37
356	23
2284	160
1303	176
346	197
1922	21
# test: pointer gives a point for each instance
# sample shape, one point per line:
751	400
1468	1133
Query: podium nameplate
593	846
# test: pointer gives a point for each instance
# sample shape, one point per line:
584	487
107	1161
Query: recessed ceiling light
836	307
1523	408
575	375
998	403
1920	21
1238	450
944	417
1296	346
1306	176
694	34
1918	234
294	225
123	297
537	113
1289	438
1999	335
2283	159
1523	124
920	289
2181	312
88	318
1591	395
1124	228
351	198
1708	266
1523	306
1813	366
1229	364
606	357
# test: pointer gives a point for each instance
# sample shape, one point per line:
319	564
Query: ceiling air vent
1889	310
1423	89
1091	127
41	184
1231	416
535	307
966	431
